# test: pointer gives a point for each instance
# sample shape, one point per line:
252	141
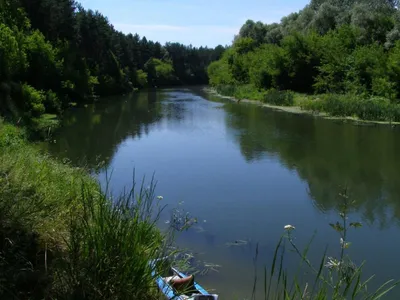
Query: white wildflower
332	263
160	197
289	227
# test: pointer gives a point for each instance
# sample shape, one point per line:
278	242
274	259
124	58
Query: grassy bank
335	105
60	235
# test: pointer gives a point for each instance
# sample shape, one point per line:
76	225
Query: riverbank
60	235
346	108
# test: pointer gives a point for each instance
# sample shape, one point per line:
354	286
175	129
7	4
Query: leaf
337	227
356	224
346	245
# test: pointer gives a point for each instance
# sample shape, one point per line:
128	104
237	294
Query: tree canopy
330	46
54	52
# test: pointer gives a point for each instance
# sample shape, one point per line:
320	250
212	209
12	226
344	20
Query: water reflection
91	135
324	153
327	155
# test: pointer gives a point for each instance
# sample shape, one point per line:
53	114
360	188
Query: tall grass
110	246
371	108
240	92
62	237
281	98
335	278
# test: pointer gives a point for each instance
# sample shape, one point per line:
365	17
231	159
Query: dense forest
54	53
348	50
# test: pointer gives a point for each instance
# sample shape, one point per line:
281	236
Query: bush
314	105
34	100
248	91
373	109
141	78
52	103
10	135
281	98
219	72
226	90
339	105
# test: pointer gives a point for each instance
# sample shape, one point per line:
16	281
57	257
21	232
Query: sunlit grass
63	237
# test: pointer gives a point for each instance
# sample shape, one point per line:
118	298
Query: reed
334	277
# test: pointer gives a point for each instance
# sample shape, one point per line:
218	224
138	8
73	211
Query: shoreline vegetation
62	237
302	103
335	57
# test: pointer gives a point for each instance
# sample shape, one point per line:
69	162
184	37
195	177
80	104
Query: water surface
245	172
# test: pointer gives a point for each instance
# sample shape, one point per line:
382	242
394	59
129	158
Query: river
245	172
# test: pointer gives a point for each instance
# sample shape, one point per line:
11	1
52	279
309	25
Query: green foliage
347	48
52	102
76	55
34	100
141	78
367	63
44	68
159	72
10	135
281	98
62	237
241	92
371	108
220	73
267	67
12	55
110	248
303	59
394	66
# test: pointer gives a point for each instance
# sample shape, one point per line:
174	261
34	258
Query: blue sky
196	22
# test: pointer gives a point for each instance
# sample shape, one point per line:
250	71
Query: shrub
10	135
276	97
141	78
52	103
339	105
374	108
226	90
34	100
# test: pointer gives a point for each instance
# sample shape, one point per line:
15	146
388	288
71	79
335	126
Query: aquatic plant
334	277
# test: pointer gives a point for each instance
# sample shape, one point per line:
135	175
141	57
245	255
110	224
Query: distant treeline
54	52
330	47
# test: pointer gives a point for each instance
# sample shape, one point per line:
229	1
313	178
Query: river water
245	172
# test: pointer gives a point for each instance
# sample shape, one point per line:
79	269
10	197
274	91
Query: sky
196	22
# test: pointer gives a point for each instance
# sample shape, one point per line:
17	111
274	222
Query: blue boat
196	292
